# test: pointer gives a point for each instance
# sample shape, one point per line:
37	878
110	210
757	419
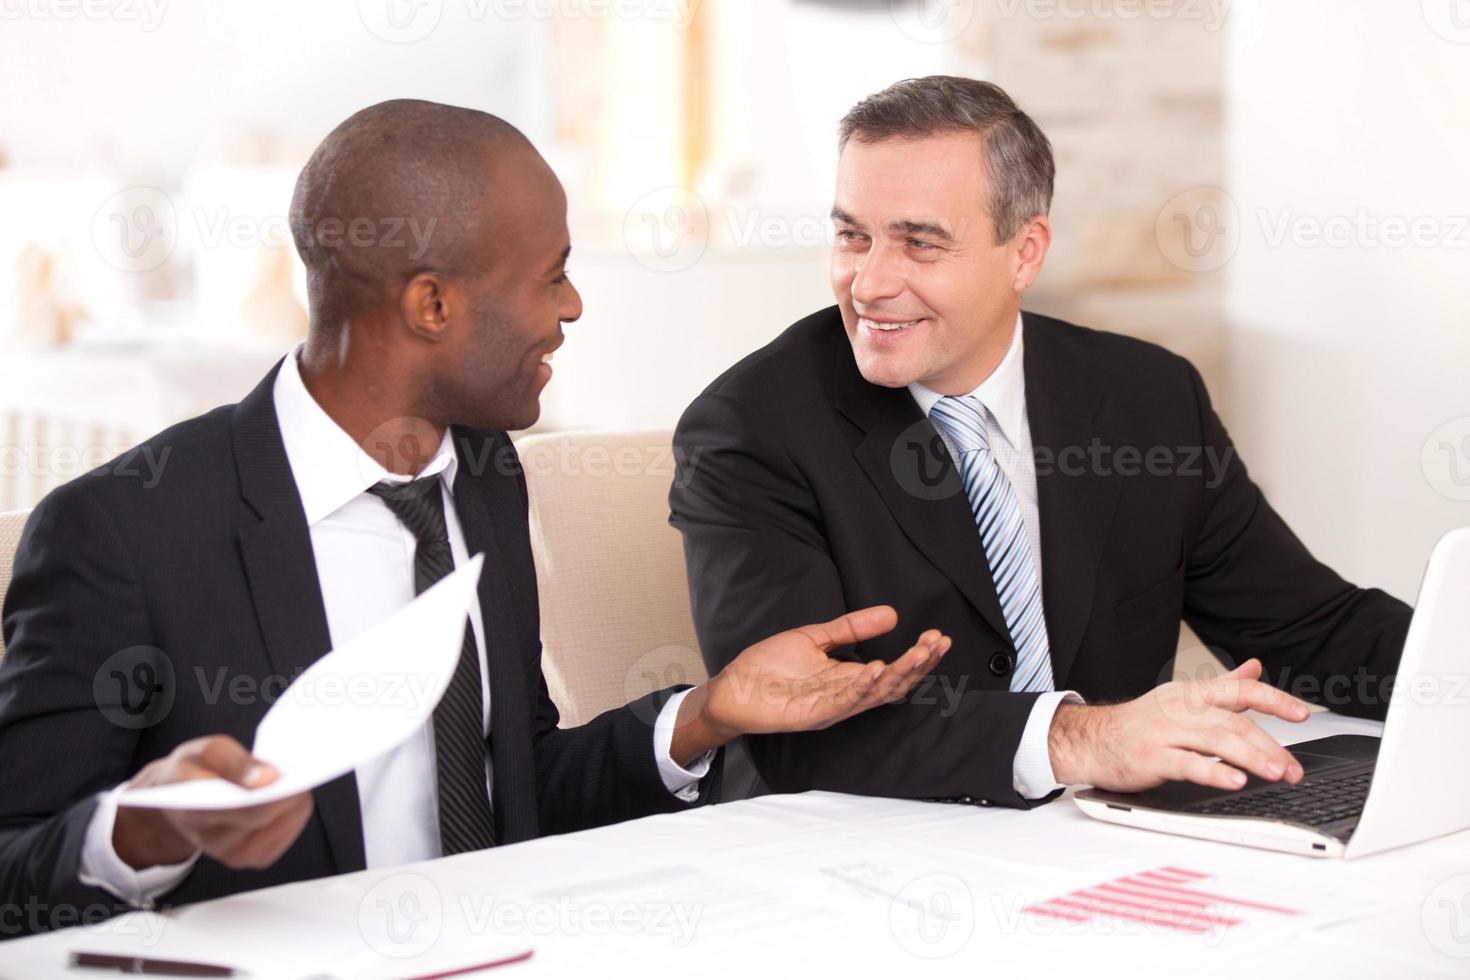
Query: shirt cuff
683	783
102	868
1031	772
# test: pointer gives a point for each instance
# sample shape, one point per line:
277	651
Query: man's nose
571	309
876	278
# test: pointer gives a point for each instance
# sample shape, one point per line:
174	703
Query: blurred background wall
1275	190
1348	291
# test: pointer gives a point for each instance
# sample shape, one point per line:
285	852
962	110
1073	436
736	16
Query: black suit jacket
806	491
147	611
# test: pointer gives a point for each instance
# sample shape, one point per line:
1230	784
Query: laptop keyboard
1320	798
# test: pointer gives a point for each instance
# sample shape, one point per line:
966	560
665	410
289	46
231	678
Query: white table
822	884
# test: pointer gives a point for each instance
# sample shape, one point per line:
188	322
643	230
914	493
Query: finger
150	774
853	627
217	824
264	846
1247	729
1235	750
1238	695
850	689
218	831
225	833
186	770
899	677
1249	671
217	840
845	694
230	760
1192	767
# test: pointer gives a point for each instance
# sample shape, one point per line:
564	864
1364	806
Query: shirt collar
1003	393
329	466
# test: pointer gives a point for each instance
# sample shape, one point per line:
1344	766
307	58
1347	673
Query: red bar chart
1171	899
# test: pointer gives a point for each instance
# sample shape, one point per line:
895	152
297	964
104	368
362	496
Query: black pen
139	964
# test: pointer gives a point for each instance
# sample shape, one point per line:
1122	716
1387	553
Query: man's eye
563	278
920	244
846	235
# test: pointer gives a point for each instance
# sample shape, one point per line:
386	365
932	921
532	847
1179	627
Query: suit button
1001	663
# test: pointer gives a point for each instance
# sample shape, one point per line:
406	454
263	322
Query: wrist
697	730
144	838
1066	743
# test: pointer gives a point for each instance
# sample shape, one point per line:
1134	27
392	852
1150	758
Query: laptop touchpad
1316	762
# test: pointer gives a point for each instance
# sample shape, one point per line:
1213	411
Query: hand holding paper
354	704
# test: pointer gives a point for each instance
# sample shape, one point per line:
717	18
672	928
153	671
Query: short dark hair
390	164
1017	153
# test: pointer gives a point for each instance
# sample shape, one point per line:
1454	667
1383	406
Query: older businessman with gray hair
1053	497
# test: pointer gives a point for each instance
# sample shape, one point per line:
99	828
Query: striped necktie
465	819
1003	534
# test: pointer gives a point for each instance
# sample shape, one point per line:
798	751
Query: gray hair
1017	153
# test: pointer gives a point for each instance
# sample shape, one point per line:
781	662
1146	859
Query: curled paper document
351	706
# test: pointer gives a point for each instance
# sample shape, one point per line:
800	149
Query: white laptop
1360	794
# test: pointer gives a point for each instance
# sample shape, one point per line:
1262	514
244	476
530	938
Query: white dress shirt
1004	396
365	565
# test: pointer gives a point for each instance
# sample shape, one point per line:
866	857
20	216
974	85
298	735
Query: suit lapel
485	503
1075	499
903	456
280	568
906	460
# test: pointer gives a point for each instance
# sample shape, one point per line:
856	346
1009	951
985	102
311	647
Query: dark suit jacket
200	591
806	491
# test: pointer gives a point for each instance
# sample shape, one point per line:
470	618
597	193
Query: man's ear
1032	240
426	304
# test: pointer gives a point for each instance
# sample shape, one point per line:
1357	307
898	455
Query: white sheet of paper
391	924
357	702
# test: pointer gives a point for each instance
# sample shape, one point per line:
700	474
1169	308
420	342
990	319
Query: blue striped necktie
1003	533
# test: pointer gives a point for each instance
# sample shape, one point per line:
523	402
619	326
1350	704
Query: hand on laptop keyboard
1175	732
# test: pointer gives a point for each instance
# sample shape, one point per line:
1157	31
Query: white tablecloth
821	884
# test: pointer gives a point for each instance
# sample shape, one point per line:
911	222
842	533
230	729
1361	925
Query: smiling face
490	375
926	293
